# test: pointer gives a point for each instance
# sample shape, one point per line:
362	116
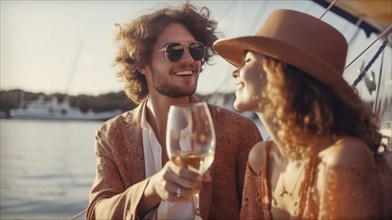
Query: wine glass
190	140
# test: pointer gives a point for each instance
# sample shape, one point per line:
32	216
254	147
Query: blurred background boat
54	110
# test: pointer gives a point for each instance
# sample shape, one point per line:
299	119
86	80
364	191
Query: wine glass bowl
190	136
190	139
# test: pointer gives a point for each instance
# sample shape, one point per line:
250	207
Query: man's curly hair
136	39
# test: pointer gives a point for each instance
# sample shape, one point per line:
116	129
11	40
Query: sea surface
47	168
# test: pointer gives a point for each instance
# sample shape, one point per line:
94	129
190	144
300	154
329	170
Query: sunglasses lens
197	50
174	51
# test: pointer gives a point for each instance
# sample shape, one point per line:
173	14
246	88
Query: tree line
11	99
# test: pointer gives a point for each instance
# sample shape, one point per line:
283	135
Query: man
160	56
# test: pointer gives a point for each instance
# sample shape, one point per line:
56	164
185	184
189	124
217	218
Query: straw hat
298	39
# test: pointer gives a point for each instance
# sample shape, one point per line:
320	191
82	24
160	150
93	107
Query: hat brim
233	50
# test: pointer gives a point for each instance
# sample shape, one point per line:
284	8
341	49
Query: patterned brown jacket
120	173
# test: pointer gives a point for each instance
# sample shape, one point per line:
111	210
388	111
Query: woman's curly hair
136	40
309	112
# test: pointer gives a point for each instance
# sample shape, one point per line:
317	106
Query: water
47	168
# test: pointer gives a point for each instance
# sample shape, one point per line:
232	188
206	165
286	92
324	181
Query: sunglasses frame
184	45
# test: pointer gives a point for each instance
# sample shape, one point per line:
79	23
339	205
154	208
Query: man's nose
186	56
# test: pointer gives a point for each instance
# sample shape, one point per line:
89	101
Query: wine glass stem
196	199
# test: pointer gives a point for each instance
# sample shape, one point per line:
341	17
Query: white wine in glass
190	139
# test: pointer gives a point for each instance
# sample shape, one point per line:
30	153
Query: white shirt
153	163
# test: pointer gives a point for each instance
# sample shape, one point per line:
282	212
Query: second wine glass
190	139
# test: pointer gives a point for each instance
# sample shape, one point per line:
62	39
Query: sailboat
42	109
373	17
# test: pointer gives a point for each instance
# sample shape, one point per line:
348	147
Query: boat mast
73	71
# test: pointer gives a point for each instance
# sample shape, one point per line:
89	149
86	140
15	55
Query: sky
67	46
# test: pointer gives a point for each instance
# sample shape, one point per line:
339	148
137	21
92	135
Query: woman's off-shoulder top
351	191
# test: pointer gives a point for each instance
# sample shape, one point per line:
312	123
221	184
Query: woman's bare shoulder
347	150
257	156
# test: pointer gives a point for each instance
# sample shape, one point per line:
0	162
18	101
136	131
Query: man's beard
165	87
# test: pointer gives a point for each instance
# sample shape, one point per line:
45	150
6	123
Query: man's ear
143	70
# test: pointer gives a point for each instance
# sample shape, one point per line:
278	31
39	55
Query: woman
323	160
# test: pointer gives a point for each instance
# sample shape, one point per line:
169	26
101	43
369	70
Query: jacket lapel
135	144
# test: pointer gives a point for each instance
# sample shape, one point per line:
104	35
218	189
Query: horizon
105	93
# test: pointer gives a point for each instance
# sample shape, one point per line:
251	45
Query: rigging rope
385	33
326	10
367	67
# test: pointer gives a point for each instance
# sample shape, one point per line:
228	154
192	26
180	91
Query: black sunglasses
175	50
